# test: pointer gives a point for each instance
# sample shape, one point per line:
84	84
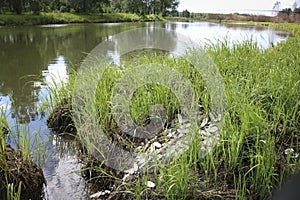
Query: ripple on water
63	179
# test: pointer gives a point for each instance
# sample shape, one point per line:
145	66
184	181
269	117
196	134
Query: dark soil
60	120
14	169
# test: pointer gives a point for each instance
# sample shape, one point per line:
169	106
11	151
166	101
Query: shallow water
33	56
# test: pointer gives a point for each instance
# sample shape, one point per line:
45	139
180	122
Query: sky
225	6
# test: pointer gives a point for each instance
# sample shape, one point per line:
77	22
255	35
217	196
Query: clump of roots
15	169
60	119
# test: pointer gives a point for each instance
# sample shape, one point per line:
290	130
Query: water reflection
122	44
212	33
63	171
56	73
26	52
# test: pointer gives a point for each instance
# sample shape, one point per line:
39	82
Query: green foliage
50	18
36	6
186	14
90	6
147	95
286	10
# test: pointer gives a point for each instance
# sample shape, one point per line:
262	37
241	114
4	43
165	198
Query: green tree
36	6
163	7
119	5
186	13
17	6
3	5
297	10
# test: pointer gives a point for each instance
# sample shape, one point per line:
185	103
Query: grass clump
143	97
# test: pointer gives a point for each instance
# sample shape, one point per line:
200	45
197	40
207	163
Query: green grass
58	18
146	95
262	120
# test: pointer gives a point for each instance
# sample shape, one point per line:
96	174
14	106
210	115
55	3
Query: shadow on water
33	56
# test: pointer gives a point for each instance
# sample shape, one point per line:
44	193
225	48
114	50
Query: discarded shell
97	195
295	155
182	130
179	119
212	129
150	184
139	147
185	126
204	133
132	170
171	134
157	145
204	122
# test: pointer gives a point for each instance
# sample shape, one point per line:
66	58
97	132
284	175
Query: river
32	57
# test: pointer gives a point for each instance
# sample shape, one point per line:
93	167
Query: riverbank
65	18
292	28
259	144
281	17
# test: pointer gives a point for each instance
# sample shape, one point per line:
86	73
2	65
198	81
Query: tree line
143	7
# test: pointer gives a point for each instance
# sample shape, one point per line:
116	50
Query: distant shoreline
66	18
281	17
